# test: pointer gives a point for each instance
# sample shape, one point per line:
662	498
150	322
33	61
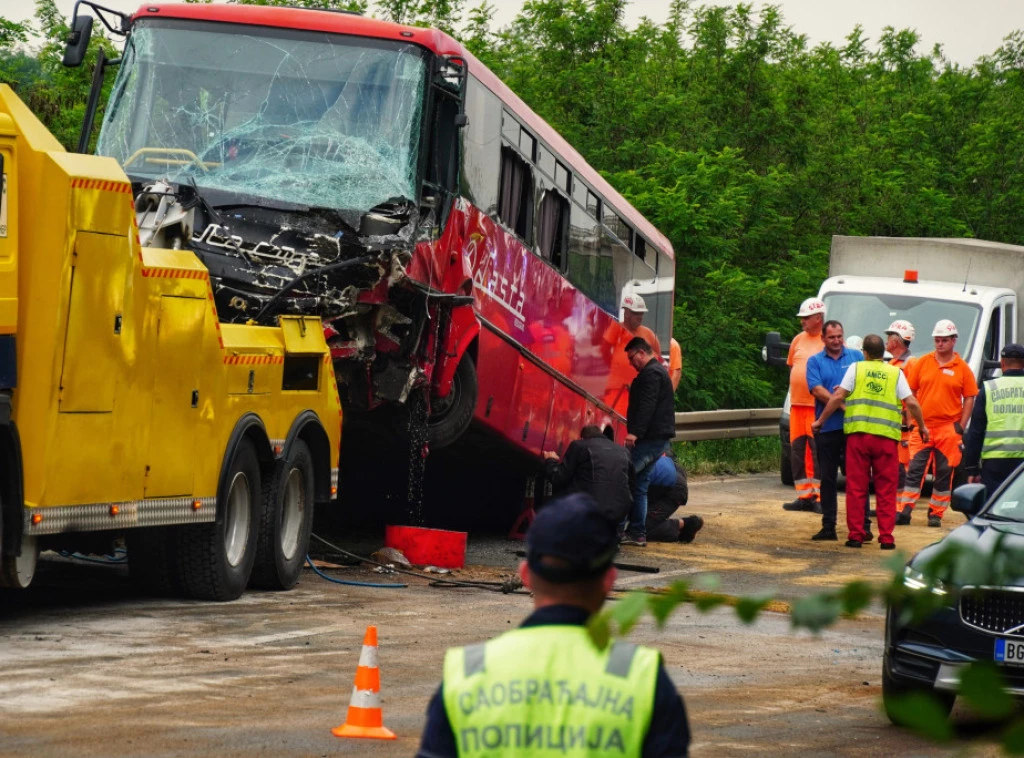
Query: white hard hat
903	329
811	307
634	303
945	328
854	342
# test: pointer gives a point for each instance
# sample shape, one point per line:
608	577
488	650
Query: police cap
572	530
1013	351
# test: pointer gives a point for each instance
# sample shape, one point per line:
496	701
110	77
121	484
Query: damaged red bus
376	175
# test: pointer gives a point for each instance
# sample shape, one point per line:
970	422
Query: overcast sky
966	29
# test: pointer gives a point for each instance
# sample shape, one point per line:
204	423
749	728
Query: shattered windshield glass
298	117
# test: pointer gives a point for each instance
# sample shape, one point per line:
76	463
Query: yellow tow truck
127	410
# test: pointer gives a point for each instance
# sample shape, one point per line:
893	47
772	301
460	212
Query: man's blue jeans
644	455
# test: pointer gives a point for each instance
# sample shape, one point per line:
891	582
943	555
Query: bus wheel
216	559
17	571
286	522
451	416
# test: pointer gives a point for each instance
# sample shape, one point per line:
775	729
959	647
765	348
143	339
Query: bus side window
553	228
515	194
639	246
588	271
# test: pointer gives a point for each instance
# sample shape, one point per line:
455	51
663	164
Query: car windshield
1009	505
869	313
305	118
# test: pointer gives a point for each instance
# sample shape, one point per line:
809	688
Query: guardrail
723	425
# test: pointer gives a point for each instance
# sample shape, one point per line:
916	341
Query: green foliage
982	686
741	455
920	711
749	150
742	143
1013	739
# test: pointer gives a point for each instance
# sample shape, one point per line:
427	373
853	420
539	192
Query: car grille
994	610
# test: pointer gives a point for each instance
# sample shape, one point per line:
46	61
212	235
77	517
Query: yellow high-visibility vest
873	406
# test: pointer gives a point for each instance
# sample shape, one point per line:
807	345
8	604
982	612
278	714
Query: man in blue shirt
825	372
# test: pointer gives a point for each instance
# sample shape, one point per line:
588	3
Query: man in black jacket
596	465
650	427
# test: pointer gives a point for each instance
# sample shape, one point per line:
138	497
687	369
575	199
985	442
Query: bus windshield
307	118
863	313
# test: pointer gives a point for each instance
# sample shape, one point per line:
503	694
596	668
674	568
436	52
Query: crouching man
668	492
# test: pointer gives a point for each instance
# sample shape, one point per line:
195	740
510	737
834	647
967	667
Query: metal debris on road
392	556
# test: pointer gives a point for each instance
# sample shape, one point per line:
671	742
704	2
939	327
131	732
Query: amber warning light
910	276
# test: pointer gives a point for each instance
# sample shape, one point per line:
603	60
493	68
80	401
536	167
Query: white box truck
875	280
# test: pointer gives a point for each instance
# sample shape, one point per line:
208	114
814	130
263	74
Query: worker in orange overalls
898	337
620	373
801	410
675	363
945	387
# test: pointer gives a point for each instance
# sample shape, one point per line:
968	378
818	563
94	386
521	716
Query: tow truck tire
451	416
17	571
151	563
216	560
286	521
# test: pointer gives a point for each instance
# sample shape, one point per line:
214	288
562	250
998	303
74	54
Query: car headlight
916	580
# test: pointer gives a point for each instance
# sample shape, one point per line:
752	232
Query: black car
974	578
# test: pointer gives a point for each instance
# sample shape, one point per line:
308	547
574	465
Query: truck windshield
300	117
864	313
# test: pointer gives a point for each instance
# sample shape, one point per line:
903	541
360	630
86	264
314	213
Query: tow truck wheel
216	559
286	522
16	571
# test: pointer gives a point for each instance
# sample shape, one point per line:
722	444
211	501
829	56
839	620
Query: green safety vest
1004	407
549	691
873	406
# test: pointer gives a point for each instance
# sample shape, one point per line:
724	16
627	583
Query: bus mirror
461	120
452	72
78	41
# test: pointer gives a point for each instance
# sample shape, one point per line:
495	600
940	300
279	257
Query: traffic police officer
545	688
996	434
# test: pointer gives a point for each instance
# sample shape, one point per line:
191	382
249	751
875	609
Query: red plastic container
428	547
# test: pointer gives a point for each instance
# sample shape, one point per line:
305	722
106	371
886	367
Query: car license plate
1010	652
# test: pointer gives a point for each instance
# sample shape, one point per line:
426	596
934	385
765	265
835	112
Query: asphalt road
88	667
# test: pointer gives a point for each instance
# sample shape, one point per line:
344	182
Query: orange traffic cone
365	718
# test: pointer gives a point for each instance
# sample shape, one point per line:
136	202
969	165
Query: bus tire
286	521
216	560
17	571
451	416
151	563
